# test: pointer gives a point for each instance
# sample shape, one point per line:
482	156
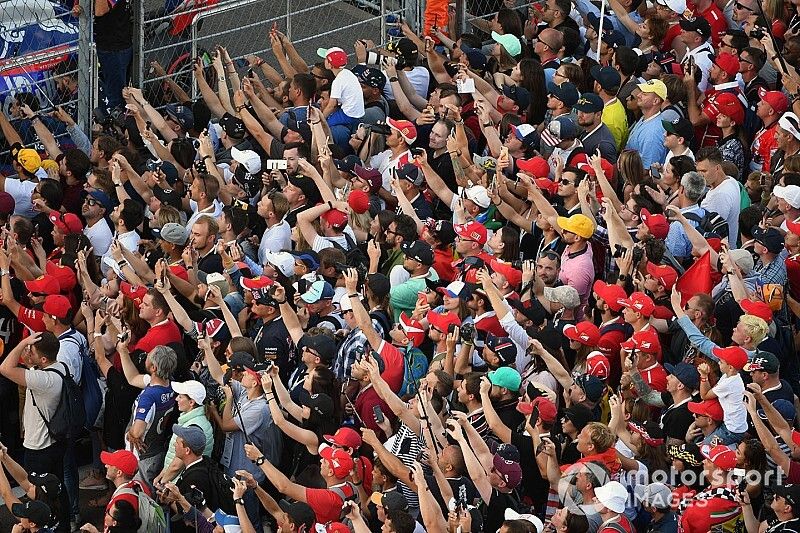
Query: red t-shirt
443	264
327	504
793	274
31	318
655	377
621	521
701	515
715	19
764	145
159	335
393	365
365	404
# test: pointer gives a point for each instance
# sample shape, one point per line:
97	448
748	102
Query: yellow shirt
615	117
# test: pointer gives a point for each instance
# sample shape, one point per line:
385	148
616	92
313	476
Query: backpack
382	317
416	366
150	513
92	386
710	223
69	418
354	256
220	487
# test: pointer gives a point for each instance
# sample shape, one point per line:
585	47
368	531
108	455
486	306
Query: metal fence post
86	66
461	17
383	19
137	68
289	19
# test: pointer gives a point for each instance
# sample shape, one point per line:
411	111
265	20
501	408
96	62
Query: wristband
259	62
4	272
96	334
354	295
206	157
704	379
330	205
488	124
281	302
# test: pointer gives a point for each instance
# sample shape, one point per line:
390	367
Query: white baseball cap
678	6
790	193
193	389
283	261
613	496
247	158
511	514
479	195
791	123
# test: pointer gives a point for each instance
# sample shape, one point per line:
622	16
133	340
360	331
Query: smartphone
206	59
378	413
422	298
122	337
654	173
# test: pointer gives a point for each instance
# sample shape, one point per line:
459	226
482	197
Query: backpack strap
33	398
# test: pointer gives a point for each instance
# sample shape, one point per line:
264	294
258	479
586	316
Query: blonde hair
756	328
601	436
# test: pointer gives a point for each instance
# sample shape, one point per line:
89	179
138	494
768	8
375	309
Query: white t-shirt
687	152
730	392
130	240
21	191
725	199
347	90
100	235
419	77
275	239
385	163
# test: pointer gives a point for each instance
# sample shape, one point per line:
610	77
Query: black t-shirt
113	31
456	483
494	511
533	485
675	420
120	396
210	263
274	343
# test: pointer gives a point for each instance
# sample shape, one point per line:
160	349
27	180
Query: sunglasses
566	182
92	201
739	5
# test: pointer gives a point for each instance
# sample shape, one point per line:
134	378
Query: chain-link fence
243	27
46	52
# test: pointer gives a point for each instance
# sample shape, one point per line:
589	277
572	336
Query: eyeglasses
312	352
566	182
743	60
739	5
39	294
550	254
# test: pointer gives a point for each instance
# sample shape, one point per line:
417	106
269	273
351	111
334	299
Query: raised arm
502	431
475	469
293	431
360	313
276	477
135	379
435	182
44	134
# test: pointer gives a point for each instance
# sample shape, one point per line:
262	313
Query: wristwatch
239	501
260	461
393	79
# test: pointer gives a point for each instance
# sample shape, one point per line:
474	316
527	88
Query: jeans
724	437
71	479
50	460
114	73
341	127
149	468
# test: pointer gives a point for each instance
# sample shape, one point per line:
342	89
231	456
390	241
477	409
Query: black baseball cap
567	92
324	346
232	126
681	127
36	511
418	251
300	514
608	77
589	103
697	24
372	77
309	188
770	238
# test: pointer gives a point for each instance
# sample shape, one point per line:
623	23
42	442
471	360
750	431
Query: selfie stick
235	406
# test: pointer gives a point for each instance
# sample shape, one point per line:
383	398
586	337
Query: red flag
696	279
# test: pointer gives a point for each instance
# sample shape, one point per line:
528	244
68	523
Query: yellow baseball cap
580	225
29	159
49	164
654	86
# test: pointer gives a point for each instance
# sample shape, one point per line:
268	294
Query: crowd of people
543	275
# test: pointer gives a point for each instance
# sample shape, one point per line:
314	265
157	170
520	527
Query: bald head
553	38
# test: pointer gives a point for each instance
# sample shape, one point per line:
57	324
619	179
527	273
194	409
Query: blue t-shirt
155	406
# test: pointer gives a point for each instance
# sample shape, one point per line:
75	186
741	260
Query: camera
379	128
638	254
276	164
415	151
153	165
758	32
467	332
108	118
195	497
517	264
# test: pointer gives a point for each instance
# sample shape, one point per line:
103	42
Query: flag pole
600	28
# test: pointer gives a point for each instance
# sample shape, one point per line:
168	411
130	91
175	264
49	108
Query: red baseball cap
729	63
547	409
722	456
57	306
664	274
597	365
535	166
474	231
776	100
639	302
344	437
710	408
442	321
656	223
44	284
67	279
610	294
335	218
735	356
406	129
645	340
337	527
413	329
358	201
256	283
124	460
68	223
546	184
729	105
759	309
335	56
512	275
134	293
340	461
583	332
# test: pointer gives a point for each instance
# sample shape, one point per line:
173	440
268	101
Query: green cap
506	377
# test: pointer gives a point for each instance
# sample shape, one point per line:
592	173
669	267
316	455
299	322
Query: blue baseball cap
104	199
686	374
